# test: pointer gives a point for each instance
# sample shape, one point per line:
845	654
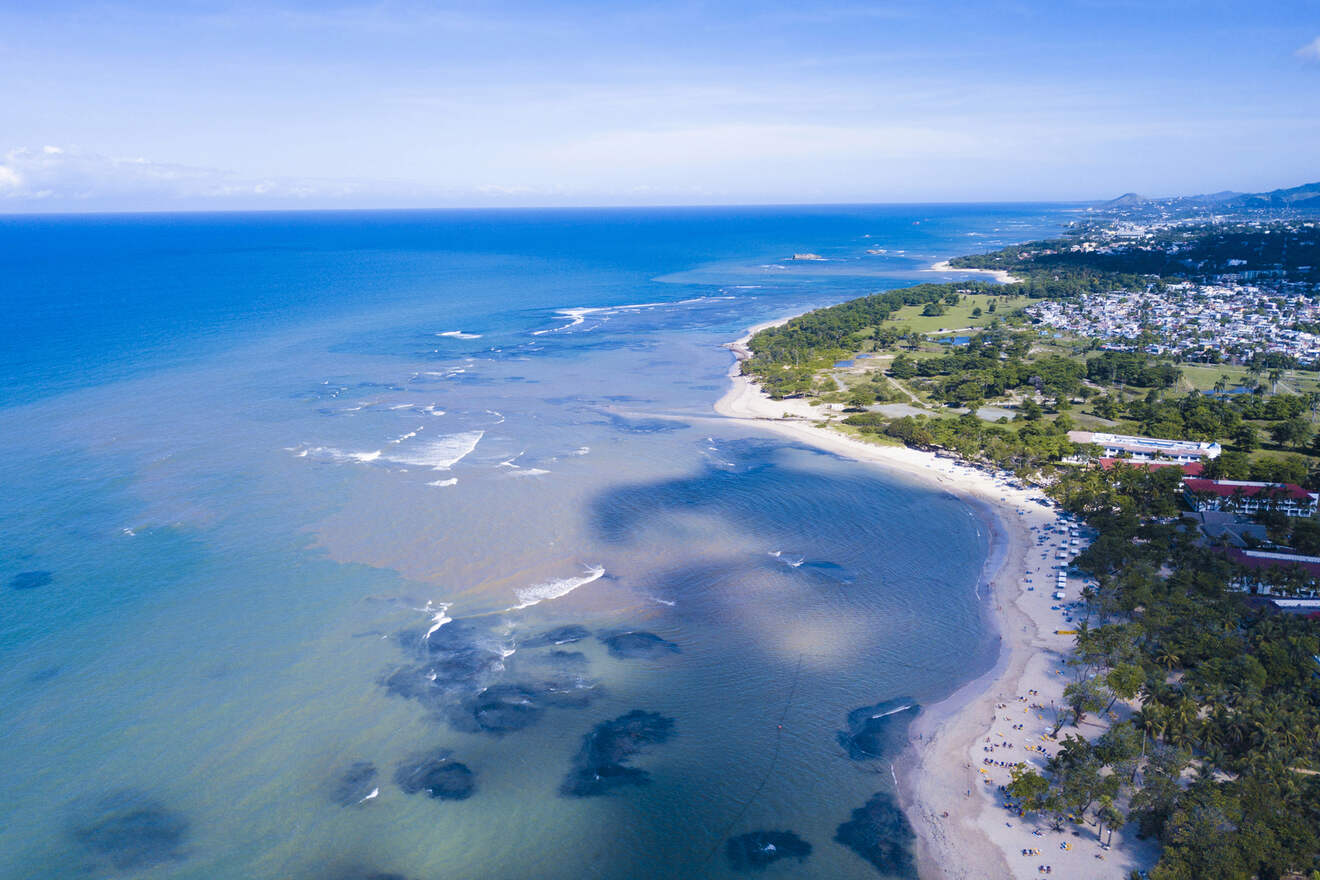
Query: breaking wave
555	589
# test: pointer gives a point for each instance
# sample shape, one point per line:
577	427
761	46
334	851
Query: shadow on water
753	489
129	830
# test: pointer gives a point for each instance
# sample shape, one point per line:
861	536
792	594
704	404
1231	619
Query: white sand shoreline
1000	275
961	830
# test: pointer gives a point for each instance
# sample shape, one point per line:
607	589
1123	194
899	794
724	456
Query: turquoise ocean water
406	544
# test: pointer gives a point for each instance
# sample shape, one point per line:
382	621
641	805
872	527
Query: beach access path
950	793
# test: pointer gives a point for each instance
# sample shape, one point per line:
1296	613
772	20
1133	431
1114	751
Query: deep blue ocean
408	545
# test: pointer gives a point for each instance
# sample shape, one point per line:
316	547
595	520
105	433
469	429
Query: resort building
1243	496
1146	448
1265	573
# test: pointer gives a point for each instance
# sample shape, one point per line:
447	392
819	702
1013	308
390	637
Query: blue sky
214	105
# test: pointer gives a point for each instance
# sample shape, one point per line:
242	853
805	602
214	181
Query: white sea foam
581	450
440	454
330	453
891	712
438	617
578	315
452	481
528	472
459	334
555	589
408	436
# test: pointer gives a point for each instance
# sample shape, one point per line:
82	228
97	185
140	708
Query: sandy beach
999	275
962	746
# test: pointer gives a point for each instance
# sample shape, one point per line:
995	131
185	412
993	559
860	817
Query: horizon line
113	212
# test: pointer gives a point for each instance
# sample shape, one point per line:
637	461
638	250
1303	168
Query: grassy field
1203	377
959	316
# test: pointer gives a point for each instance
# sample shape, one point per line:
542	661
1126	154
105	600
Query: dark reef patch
880	834
638	645
469	676
599	765
760	849
354	784
500	709
437	775
567	659
130	830
457	660
31	580
563	635
874	730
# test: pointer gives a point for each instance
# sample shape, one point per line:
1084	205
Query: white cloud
70	179
1311	51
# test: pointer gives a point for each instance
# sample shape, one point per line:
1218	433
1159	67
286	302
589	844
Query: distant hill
1305	196
1304	199
1126	200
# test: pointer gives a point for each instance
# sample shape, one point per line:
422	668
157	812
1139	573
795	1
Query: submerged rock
454	661
759	849
500	709
874	730
437	775
638	645
30	580
131	830
563	635
355	784
880	834
599	765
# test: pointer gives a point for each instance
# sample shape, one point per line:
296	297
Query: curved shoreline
1000	275
961	831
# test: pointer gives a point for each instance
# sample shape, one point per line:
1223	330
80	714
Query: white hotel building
1147	448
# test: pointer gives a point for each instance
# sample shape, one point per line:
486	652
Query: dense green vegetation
1219	762
1196	251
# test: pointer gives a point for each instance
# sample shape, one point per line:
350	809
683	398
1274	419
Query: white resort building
1248	497
1147	448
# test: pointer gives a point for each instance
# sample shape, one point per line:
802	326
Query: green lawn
959	316
1203	377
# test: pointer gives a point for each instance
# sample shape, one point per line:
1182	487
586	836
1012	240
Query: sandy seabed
951	795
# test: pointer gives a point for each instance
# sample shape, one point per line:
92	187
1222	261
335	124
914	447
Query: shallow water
259	459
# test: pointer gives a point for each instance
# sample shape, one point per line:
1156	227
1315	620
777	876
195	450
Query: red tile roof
1227	489
1259	562
1191	469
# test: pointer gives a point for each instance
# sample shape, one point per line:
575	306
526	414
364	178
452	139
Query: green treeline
1219	762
